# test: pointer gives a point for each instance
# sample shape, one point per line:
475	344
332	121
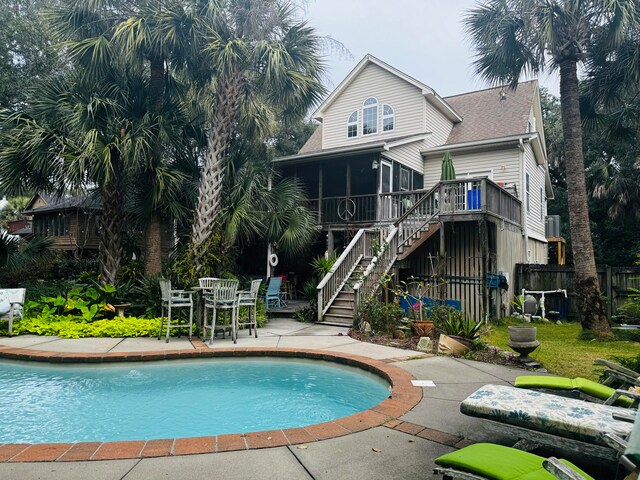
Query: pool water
173	399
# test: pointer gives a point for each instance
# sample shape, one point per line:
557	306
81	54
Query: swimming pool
174	399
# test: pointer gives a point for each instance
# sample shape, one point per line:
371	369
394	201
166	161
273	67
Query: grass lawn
562	353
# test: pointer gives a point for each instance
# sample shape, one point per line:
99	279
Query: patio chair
273	298
577	388
171	300
221	298
538	418
249	299
488	461
11	304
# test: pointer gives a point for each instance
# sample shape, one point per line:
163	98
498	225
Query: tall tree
26	51
265	61
516	37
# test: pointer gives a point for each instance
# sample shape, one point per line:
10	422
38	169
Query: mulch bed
490	354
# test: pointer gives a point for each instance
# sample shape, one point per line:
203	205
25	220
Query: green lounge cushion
497	462
585	385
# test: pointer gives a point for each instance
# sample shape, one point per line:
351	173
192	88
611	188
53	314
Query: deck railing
454	196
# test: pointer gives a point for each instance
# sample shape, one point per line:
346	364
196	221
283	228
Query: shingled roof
87	201
486	115
314	143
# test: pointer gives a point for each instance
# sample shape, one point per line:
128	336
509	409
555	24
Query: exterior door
386	185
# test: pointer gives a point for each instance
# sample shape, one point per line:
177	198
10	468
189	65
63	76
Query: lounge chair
538	418
487	461
575	387
11	305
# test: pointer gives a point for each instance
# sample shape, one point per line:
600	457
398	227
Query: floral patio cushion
566	417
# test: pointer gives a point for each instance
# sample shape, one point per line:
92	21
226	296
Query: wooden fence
615	283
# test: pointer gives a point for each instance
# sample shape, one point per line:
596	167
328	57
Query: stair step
341	320
340	310
342	303
331	323
345	295
338	316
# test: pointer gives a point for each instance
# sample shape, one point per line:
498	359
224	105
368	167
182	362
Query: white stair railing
330	286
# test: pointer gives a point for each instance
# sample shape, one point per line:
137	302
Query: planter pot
451	346
522	334
464	341
422	329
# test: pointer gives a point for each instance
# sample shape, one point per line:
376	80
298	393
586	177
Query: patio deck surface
401	448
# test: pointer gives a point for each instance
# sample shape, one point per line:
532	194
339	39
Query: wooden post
320	193
609	292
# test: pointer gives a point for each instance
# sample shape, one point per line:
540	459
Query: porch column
320	193
348	179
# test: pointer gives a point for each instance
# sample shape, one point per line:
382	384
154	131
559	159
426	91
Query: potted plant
454	326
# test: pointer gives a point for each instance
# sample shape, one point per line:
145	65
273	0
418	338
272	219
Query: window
388	118
532	124
405	180
527	196
542	204
370	116
352	125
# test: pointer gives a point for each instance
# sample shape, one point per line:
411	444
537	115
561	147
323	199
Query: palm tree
264	60
516	37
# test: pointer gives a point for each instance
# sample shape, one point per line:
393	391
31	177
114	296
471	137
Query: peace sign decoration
346	209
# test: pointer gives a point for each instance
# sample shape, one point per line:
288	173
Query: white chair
11	303
221	298
172	299
249	299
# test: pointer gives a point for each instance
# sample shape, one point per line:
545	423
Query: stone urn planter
522	340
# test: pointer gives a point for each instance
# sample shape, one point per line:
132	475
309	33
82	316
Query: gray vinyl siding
406	100
408	155
504	164
535	224
439	126
539	251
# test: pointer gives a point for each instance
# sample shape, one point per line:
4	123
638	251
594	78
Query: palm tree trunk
590	301
153	245
225	114
153	233
111	221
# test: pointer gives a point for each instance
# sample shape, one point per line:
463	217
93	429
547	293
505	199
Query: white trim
409	172
350	124
537	237
386	117
385	163
406	141
375	106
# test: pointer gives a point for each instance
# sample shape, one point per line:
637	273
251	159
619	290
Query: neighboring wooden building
72	223
372	170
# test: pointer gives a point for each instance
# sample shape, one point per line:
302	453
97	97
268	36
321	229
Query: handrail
330	286
340	259
418	204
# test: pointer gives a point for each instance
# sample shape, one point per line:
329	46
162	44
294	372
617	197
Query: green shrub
75	327
450	321
306	314
383	318
91	303
629	312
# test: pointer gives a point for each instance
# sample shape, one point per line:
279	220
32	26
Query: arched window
388	118
370	116
352	125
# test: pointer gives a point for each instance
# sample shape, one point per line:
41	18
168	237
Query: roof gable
427	91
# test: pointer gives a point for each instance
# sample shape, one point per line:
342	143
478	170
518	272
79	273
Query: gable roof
88	201
430	94
486	115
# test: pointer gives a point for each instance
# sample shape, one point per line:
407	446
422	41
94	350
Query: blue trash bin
473	199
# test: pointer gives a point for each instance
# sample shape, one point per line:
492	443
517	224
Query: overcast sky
422	38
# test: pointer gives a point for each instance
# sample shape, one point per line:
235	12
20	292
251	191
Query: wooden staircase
358	271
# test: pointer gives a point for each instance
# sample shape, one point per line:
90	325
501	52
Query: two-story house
373	174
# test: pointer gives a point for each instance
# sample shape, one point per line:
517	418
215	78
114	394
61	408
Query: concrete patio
403	448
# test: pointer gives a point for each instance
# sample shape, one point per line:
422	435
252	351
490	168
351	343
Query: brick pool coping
404	396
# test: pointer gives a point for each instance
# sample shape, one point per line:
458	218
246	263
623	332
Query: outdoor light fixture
375	164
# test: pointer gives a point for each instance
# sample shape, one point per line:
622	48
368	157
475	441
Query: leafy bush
22	261
306	314
76	327
629	312
46	288
450	321
383	318
91	303
322	265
